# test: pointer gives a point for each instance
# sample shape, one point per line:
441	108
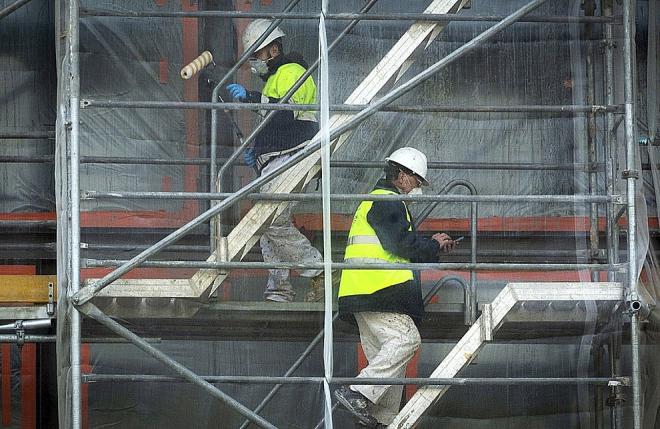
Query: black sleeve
388	219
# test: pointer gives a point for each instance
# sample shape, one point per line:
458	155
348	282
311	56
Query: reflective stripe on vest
363	246
363	239
284	78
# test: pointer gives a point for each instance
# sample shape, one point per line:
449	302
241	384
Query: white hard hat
412	159
255	29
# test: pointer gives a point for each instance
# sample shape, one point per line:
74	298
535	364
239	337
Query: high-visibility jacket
288	131
279	83
364	247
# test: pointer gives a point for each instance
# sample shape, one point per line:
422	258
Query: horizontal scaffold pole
432	165
453	198
456	266
348	108
472	381
432	17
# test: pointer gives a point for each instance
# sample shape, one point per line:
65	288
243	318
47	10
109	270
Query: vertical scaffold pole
631	177
74	160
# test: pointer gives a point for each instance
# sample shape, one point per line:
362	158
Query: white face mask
258	67
416	191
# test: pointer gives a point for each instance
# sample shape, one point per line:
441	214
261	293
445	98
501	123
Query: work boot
317	286
278	290
357	404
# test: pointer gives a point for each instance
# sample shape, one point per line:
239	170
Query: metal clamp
647	141
630	174
616	398
608	44
20	333
618	200
222	245
50	307
633	304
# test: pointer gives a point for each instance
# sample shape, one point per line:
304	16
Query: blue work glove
237	91
249	157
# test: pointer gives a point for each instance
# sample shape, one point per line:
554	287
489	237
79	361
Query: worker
286	133
386	304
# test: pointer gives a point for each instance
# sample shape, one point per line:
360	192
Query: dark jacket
388	219
283	131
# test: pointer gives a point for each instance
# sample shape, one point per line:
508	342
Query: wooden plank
170	288
26	288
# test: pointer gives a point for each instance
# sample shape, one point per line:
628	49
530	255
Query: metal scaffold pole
632	174
357	108
74	164
12	7
438	17
612	237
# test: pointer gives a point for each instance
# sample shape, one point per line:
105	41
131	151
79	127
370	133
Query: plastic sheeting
27	96
531	63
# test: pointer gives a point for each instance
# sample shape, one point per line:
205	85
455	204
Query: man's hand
445	241
237	91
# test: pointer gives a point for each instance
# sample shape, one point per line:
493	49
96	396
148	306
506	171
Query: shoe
279	291
317	286
316	289
277	298
357	404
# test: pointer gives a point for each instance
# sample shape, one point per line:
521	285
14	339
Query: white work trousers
282	242
389	341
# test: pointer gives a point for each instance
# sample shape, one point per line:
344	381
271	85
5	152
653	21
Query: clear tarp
496	151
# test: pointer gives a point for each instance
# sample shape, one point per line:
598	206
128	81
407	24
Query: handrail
471	292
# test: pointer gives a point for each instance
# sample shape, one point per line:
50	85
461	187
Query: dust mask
416	191
259	67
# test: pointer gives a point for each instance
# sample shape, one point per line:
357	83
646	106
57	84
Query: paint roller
203	60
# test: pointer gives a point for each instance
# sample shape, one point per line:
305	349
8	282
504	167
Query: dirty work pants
282	242
389	341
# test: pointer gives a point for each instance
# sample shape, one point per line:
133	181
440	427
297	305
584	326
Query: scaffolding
618	299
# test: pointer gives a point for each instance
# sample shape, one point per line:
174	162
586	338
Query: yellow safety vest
279	84
364	247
